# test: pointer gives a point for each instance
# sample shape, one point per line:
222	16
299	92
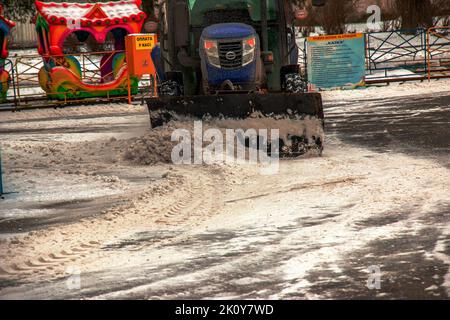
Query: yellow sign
145	42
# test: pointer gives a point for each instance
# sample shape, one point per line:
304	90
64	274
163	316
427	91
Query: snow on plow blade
298	117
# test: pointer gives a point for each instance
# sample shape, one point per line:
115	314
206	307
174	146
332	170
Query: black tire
294	83
170	88
173	85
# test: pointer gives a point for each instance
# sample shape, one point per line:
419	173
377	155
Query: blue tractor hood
229	38
228	31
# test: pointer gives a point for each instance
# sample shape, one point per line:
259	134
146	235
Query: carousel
82	46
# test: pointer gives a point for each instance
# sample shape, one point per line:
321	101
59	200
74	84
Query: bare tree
148	8
18	10
334	16
413	13
419	13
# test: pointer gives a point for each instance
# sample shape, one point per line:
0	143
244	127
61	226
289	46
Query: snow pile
288	125
152	148
157	145
394	90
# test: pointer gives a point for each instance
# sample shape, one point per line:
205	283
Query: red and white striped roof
99	13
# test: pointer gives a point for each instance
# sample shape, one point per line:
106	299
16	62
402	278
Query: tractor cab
227	44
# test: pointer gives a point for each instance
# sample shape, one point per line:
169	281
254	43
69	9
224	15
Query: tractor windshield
207	12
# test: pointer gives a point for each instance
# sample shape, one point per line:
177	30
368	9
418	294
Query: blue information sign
336	61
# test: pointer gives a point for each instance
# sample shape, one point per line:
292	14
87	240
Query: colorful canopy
87	14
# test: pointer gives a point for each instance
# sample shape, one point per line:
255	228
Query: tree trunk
415	13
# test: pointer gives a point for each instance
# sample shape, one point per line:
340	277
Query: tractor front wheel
294	83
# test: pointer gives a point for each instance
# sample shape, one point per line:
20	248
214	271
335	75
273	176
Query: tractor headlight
248	54
212	52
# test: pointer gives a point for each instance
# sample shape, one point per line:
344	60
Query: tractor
234	59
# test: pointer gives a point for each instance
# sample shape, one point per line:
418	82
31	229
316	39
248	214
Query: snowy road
87	223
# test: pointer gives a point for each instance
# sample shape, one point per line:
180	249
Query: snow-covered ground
85	207
392	90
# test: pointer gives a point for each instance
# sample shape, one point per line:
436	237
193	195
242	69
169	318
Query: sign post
336	61
1	173
139	61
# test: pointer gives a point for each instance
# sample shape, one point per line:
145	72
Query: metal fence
438	52
399	55
396	55
402	55
26	90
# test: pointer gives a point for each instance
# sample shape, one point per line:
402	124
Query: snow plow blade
298	116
